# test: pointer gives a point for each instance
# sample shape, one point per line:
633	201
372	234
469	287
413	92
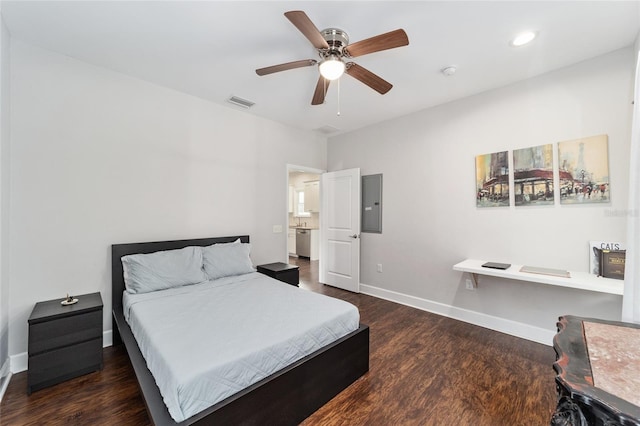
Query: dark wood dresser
284	272
597	372
64	341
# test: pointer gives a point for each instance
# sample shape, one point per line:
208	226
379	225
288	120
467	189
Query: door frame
294	168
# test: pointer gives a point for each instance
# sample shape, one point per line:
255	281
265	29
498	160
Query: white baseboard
518	329
20	362
107	338
5	377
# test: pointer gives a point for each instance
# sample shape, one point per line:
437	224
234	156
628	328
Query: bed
286	396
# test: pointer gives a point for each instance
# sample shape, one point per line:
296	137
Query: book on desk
611	263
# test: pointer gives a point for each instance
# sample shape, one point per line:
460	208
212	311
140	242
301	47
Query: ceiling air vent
240	102
327	130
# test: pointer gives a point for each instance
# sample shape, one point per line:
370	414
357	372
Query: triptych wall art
582	174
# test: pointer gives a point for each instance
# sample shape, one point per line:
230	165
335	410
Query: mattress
207	341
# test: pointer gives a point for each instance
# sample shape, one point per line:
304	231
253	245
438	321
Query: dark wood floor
424	370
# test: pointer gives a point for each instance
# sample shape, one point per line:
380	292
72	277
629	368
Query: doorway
303	218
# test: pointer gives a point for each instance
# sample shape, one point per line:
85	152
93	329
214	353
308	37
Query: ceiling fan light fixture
332	68
335	52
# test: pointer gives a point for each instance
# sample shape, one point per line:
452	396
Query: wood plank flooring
424	370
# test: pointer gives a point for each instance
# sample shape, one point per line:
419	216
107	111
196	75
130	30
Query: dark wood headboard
119	250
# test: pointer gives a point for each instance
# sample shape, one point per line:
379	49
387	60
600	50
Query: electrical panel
371	214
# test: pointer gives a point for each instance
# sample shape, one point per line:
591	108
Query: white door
340	229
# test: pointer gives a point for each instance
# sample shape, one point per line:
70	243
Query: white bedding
207	341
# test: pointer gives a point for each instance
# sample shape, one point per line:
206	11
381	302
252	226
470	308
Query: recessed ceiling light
523	38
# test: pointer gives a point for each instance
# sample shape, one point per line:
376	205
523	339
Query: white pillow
163	269
227	259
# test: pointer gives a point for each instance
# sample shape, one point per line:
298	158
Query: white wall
100	158
4	200
430	221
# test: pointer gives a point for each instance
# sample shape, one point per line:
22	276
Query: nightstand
64	341
284	272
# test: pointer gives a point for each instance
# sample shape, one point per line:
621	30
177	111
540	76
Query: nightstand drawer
290	277
64	331
61	364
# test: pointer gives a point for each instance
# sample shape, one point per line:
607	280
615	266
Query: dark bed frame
284	398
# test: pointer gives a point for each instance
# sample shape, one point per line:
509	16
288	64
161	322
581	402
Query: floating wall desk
578	280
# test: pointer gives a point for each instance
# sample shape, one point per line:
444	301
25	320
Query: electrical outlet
379	267
469	284
277	229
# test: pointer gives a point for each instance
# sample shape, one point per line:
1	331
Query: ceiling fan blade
367	77
321	91
307	28
287	66
380	42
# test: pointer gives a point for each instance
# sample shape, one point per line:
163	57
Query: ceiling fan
335	51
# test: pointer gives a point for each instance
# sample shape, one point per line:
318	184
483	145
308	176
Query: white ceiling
211	49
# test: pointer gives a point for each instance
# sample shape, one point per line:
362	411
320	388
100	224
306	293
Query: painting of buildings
533	175
584	170
492	180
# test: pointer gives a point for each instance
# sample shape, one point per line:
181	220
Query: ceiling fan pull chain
339	97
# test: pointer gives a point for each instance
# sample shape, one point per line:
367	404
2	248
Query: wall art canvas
533	175
584	170
492	180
